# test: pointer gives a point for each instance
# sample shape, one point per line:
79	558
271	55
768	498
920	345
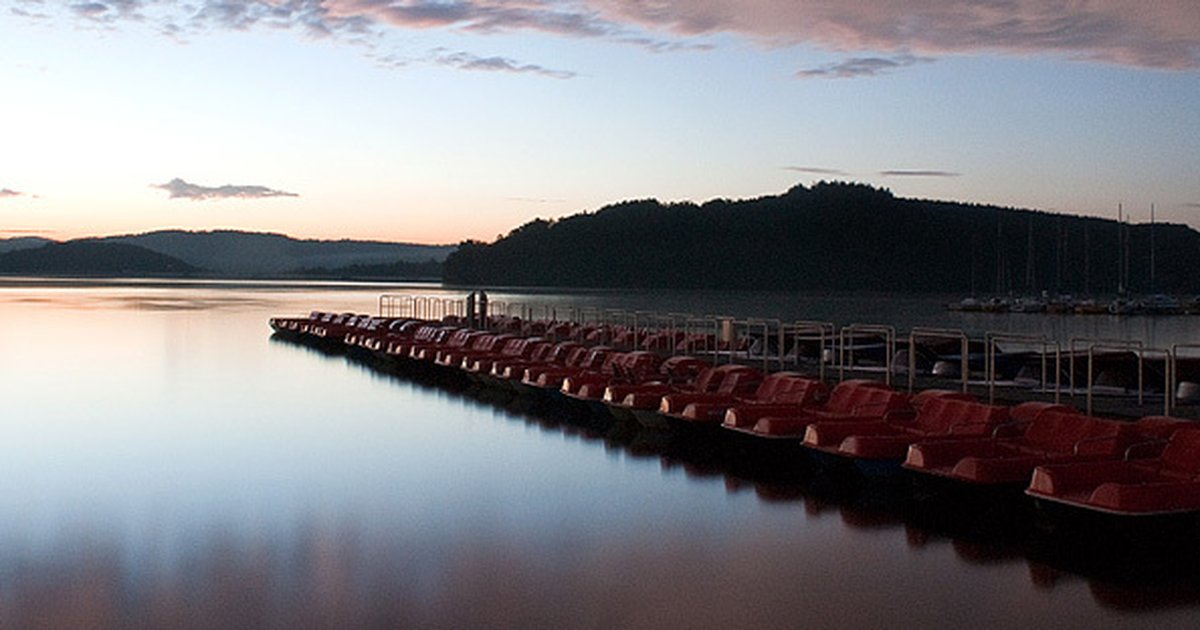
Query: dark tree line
89	257
833	236
95	257
399	270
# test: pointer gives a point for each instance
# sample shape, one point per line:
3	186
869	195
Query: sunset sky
437	120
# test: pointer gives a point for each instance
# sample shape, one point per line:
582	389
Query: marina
617	371
226	477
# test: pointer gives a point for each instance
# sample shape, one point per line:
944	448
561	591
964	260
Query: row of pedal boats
1055	453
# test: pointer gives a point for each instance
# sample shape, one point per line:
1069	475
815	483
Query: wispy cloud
468	61
815	170
1160	34
29	11
918	173
109	10
535	200
862	67
572	18
368	22
665	46
26	231
6	193
179	189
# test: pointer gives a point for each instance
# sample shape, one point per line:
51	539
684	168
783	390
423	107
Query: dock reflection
992	530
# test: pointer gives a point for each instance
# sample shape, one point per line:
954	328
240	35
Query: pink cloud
1160	34
179	189
562	18
1155	34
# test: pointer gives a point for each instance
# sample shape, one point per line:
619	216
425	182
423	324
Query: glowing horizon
437	122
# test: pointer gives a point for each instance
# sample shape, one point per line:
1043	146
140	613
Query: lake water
168	463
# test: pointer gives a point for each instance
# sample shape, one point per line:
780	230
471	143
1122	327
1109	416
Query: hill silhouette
22	242
227	254
832	236
430	270
237	253
92	258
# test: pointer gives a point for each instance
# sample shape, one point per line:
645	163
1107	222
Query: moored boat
1165	484
881	445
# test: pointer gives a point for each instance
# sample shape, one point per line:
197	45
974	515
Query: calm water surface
166	462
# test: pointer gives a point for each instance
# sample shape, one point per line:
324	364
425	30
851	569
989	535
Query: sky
435	121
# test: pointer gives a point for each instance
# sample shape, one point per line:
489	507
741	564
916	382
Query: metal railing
1078	344
849	334
1140	354
1174	393
776	345
431	307
700	336
391	305
824	333
950	334
1041	342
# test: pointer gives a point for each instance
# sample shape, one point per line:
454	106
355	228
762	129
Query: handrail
992	341
825	331
773	344
689	325
1174	369
855	330
920	332
393	305
1141	376
1074	345
678	323
767	326
638	318
726	331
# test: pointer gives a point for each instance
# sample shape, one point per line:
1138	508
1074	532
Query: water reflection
1129	571
177	467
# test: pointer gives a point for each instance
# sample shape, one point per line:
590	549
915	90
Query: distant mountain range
225	253
92	258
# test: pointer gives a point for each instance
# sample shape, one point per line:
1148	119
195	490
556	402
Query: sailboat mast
1151	248
1087	261
999	256
1029	273
1128	237
1120	251
1060	243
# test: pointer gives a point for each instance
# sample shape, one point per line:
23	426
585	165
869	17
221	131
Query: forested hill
832	236
92	258
255	254
223	254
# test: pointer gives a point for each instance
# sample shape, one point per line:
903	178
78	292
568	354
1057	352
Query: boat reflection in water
1126	567
168	466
